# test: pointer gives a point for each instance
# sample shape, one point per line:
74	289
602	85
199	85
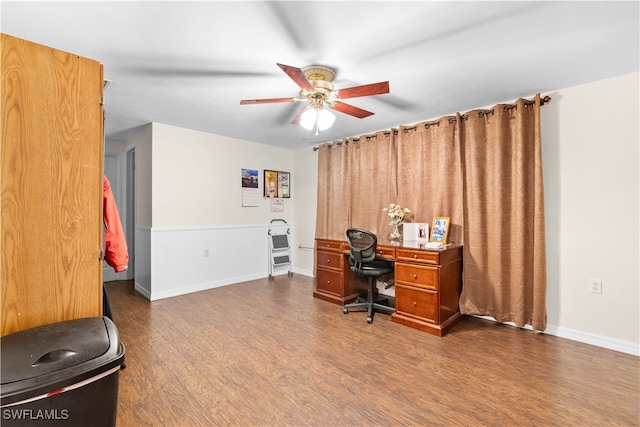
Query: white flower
396	213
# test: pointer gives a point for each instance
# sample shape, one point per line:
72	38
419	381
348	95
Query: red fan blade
364	90
351	110
297	75
266	101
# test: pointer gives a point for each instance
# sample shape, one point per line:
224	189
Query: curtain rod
544	100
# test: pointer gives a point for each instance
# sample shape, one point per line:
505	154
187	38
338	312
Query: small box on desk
415	231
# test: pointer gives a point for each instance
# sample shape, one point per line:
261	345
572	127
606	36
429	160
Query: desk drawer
425	257
386	252
417	302
417	275
330	260
329	245
329	281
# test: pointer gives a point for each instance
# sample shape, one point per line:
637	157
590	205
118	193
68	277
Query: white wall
591	163
144	176
197	176
200	235
306	173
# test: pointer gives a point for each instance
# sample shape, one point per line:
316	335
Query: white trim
142	291
210	227
304	272
592	339
583	337
202	287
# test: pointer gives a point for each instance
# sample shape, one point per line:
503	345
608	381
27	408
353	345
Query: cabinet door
330	260
418	275
417	303
51	155
330	281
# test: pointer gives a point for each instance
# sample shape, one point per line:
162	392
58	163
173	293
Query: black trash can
62	374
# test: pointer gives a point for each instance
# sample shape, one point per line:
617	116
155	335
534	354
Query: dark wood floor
266	353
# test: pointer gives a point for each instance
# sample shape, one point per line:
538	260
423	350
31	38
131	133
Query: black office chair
363	262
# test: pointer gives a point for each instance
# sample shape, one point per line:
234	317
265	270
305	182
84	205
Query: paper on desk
433	245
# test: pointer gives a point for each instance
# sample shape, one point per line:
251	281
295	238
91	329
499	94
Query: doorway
130	213
120	171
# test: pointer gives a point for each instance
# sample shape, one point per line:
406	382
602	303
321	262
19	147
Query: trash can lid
45	349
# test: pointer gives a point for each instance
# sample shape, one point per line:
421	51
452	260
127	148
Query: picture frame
284	185
440	229
277	184
250	184
249	178
270	183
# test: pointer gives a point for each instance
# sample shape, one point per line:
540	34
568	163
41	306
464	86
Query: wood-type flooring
266	353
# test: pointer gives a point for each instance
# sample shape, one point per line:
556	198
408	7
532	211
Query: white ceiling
189	64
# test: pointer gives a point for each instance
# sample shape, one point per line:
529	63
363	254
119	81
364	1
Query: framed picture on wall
284	185
250	192
270	183
440	229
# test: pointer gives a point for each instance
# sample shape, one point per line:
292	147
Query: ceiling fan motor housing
320	77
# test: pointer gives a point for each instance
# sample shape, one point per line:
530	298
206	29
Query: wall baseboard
211	285
303	272
202	287
141	290
583	337
592	339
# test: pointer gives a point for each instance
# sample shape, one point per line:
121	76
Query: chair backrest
363	245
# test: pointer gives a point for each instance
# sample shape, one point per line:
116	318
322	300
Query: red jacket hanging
116	252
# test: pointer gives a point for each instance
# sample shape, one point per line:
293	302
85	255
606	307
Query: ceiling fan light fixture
325	119
319	119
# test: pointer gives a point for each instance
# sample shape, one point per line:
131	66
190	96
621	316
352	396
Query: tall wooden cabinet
51	185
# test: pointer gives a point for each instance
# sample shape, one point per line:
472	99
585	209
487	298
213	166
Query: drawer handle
415	256
415	304
328	260
328	282
415	276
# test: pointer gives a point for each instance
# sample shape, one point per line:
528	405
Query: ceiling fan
316	86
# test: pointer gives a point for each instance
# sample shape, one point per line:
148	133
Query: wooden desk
427	282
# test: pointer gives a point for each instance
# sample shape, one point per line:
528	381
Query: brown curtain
483	169
356	180
430	173
373	181
333	215
504	245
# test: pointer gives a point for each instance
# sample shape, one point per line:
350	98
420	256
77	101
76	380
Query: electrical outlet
595	286
206	253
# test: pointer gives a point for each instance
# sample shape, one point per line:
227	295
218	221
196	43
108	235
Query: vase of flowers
397	214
